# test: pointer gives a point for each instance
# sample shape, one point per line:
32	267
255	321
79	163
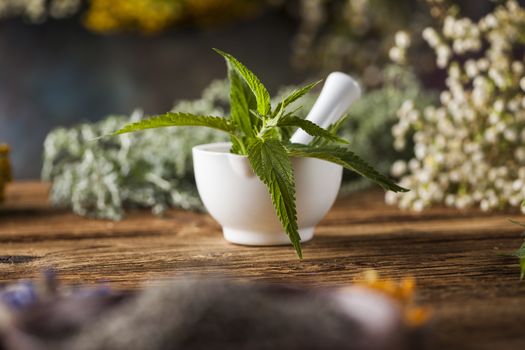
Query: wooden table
457	257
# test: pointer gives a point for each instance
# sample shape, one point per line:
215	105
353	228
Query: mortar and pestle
239	201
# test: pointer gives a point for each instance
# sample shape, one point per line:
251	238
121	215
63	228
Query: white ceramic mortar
240	202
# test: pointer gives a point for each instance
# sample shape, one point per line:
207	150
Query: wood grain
457	257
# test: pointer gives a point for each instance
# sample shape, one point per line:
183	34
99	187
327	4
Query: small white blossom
402	39
483	64
522	83
399	168
397	55
469	149
471	68
431	36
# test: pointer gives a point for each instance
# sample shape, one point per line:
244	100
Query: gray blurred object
194	314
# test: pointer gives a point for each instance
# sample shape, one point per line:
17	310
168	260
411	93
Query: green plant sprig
520	252
262	134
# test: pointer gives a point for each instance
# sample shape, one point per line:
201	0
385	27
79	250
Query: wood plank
457	257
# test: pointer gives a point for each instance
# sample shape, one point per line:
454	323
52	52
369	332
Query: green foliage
177	119
103	179
271	163
520	253
258	89
241	102
311	128
347	159
332	128
266	143
295	95
371	118
368	123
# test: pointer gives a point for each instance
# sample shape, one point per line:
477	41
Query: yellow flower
151	16
402	291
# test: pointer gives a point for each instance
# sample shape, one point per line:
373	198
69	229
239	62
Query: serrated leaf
258	89
271	164
236	147
332	128
295	95
242	101
347	159
311	128
177	119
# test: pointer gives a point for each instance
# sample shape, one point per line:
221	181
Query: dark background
58	73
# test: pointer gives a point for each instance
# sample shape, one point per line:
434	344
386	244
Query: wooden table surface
457	257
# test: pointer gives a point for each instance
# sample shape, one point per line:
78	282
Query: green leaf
177	119
259	90
520	254
347	159
272	165
311	128
242	101
332	128
295	95
238	145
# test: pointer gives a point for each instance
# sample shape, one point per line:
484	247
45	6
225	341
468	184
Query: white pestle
339	92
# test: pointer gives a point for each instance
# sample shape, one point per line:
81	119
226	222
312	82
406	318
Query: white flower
431	37
449	26
499	105
491	21
471	68
510	135
454	71
449	200
519	153
443	55
484	205
390	197
517	67
418	205
420	150
397	55
445	97
522	83
402	39
470	148
399	168
483	64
